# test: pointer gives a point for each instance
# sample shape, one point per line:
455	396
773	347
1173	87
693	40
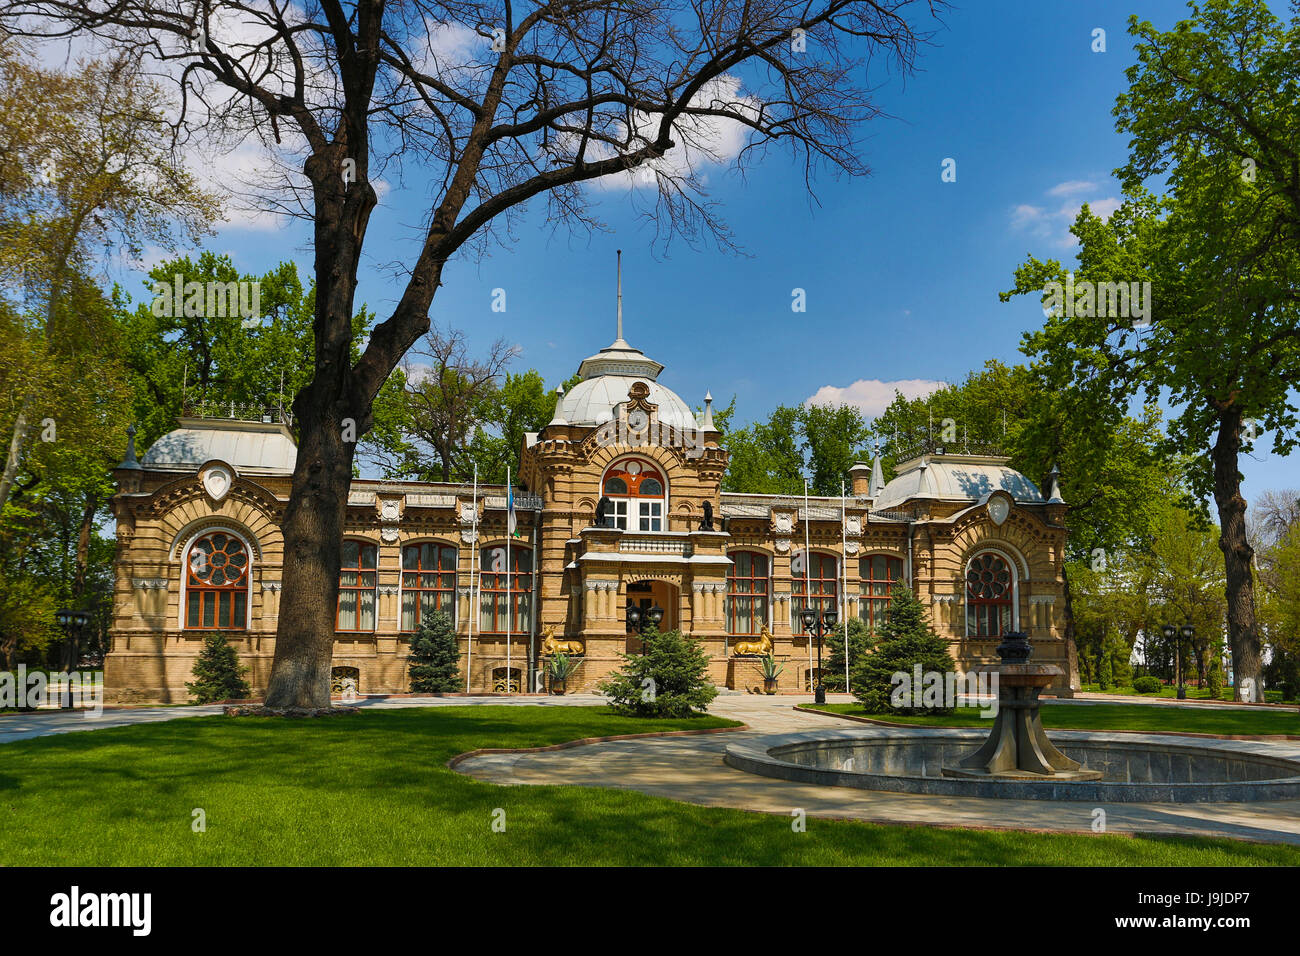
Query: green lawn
373	788
1197	720
1193	693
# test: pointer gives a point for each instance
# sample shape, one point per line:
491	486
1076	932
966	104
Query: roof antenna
620	294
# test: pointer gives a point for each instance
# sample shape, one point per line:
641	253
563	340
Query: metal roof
258	448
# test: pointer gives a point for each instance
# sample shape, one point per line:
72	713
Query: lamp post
72	623
1188	634
818	626
1176	636
637	619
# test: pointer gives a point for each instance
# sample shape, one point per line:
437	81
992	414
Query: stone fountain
1018	747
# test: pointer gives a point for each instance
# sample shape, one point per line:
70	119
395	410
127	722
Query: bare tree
543	97
1276	511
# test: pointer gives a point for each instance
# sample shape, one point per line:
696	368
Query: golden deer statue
551	646
761	646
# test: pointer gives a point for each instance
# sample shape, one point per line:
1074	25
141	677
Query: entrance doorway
645	595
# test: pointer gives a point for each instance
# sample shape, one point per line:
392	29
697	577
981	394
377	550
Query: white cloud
1053	226
1071	187
872	395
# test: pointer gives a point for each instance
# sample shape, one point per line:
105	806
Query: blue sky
901	270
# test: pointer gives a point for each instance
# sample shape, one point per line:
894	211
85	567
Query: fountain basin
1134	768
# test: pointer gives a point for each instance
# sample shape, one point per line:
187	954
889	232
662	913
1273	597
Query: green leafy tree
218	675
669	680
434	657
87	166
906	640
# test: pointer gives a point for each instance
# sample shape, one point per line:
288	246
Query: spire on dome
619	342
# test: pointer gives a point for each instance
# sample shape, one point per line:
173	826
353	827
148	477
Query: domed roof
607	377
258	448
955	478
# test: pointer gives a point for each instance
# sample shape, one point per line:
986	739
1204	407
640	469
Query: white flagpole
844	549
473	581
509	598
807	574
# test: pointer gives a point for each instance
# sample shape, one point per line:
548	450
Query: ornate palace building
617	503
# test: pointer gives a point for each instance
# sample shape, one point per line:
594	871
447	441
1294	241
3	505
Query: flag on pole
510	510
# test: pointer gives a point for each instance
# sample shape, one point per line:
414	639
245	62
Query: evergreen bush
669	680
434	659
218	674
905	641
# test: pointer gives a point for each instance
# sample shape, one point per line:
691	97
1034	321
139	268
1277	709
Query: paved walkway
690	769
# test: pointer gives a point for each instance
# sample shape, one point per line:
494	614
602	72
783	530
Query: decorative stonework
149	584
999	508
271	586
216	480
782	545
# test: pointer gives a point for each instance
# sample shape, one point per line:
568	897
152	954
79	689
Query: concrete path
690	769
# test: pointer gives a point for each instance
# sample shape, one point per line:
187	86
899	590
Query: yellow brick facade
585	576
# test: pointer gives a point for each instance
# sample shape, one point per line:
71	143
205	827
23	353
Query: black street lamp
818	626
1189	634
72	623
1173	635
638	620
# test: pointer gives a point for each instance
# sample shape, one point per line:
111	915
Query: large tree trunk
332	413
1243	633
313	530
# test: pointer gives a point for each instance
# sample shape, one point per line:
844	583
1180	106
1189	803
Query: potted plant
561	668
771	671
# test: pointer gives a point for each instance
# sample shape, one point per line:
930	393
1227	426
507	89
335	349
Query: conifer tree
218	673
906	640
435	656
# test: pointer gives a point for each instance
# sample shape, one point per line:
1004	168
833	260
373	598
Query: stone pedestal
1018	746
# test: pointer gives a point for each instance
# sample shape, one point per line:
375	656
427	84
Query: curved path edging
1281	738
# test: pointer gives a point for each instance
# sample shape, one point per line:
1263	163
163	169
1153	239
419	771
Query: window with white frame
637	494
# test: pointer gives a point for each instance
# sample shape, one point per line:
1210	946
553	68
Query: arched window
428	582
637	494
990	589
493	617
747	586
822	577
879	573
216	583
358	576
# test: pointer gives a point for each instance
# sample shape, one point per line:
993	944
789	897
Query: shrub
1214	679
669	680
906	640
1146	684
218	673
434	659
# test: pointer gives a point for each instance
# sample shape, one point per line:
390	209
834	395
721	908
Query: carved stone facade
946	522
